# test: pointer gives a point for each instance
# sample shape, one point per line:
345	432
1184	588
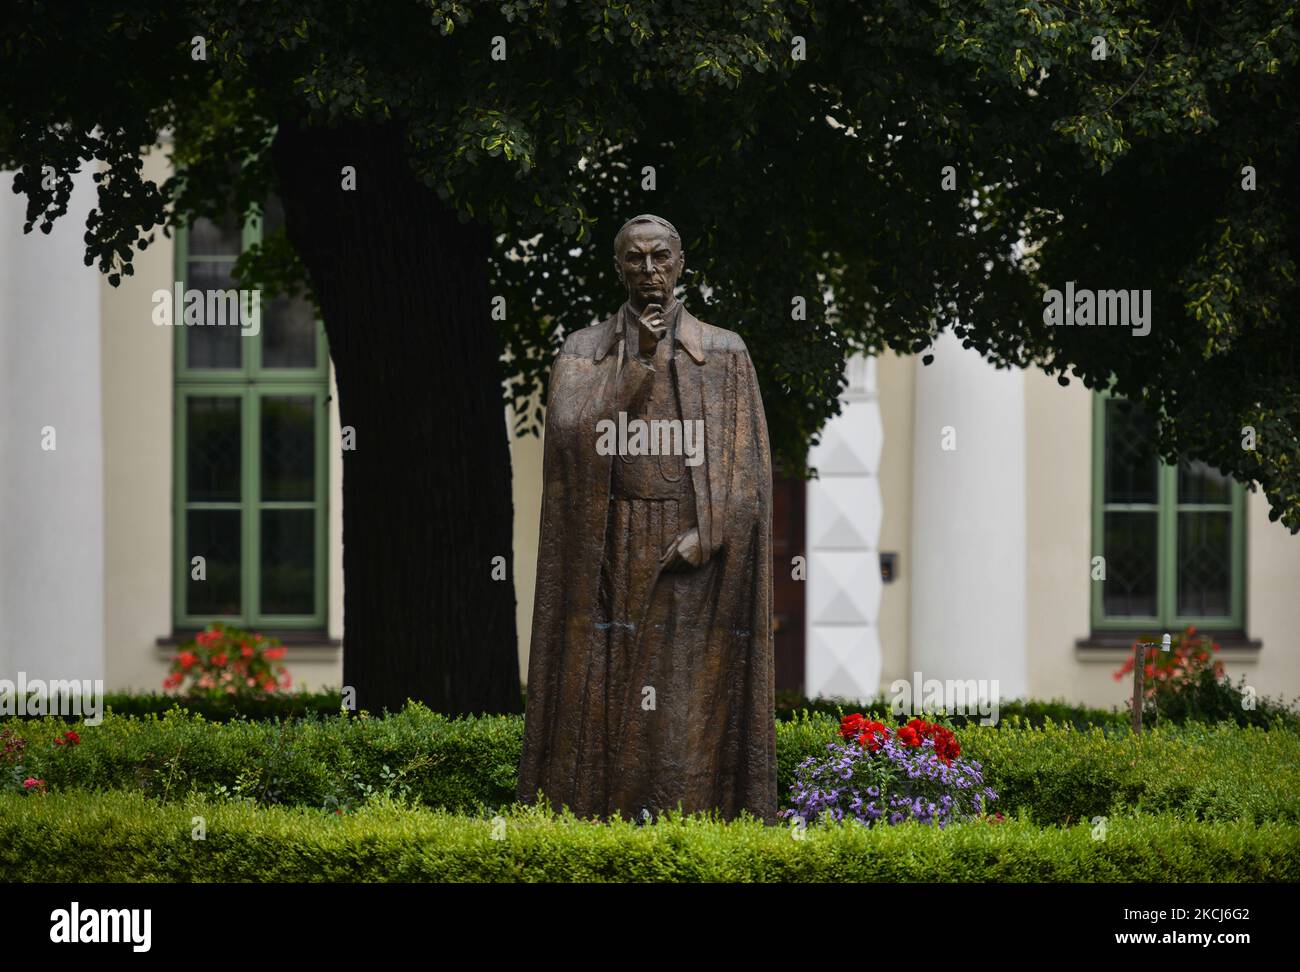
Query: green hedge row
788	706
335	761
1220	772
1054	774
288	705
126	837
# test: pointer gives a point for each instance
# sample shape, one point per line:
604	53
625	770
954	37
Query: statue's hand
683	552
650	328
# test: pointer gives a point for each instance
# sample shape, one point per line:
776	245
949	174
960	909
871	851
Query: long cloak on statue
648	689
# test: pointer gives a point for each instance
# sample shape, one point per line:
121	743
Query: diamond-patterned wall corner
844	513
851	442
844	662
843	587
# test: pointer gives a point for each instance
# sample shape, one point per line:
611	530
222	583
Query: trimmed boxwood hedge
1210	701
126	837
788	706
1053	775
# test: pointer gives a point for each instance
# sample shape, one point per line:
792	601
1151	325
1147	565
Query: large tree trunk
402	286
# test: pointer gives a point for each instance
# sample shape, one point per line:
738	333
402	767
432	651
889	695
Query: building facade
953	533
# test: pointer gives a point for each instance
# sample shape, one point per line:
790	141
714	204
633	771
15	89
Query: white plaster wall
51	502
137	408
1058	513
526	489
842	641
895	380
1272	604
968	522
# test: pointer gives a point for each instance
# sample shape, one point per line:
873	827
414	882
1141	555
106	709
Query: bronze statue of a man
650	677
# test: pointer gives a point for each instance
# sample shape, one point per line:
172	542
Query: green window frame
1187	525
253	525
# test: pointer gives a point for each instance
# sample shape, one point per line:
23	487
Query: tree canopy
801	146
798	144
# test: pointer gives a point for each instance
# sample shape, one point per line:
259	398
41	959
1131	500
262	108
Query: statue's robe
650	690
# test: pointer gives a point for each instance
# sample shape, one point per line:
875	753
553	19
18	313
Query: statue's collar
689	331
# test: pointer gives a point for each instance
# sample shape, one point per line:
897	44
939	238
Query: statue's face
648	261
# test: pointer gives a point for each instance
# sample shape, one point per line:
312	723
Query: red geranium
872	735
851	725
223	660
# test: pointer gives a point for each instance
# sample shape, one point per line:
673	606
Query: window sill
302	644
1116	646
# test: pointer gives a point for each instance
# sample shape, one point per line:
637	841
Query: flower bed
889	775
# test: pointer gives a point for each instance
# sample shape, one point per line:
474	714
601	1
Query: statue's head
648	258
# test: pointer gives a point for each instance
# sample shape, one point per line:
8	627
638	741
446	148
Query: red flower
946	746
869	734
274	652
72	737
909	736
187	659
246	650
31	783
219	658
871	740
850	725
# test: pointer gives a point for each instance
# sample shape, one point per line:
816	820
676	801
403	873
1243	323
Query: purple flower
892	784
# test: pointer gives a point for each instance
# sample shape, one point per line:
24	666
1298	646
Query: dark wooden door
788	593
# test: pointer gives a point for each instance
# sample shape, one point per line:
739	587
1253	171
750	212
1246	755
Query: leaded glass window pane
1132	468
213	461
214	535
288	447
1204	564
288	561
1131	560
1199	483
